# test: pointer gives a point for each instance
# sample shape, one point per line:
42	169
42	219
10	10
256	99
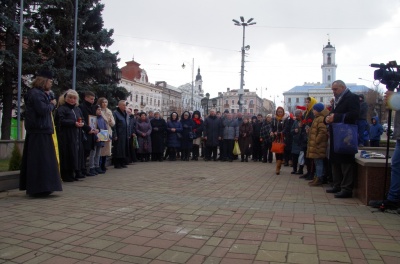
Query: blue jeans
394	191
319	168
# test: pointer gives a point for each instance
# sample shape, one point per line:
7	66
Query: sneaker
388	204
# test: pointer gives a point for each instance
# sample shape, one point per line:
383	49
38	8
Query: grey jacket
230	129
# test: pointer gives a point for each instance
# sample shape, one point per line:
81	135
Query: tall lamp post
183	67
244	25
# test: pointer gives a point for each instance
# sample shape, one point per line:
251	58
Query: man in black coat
256	144
212	134
346	103
88	109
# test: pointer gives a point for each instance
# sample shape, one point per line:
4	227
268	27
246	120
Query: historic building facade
320	91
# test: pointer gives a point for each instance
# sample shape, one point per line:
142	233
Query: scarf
197	121
340	96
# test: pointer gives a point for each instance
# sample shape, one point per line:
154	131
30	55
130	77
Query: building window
137	97
251	110
141	99
251	102
329	59
321	99
297	100
226	101
233	102
151	101
147	100
329	77
226	110
232	111
159	103
289	100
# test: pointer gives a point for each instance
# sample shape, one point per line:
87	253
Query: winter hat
319	107
45	73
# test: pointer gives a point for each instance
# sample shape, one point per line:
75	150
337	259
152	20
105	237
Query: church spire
198	76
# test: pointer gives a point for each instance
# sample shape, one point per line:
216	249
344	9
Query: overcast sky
286	43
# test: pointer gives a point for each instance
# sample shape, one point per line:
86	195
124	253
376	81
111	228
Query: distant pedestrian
375	132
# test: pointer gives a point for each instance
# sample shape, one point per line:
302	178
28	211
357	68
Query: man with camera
392	201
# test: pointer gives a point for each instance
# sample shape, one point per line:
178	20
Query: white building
320	91
197	94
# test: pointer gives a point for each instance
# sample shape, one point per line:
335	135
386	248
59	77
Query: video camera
388	74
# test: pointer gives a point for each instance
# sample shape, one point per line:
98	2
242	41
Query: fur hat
45	73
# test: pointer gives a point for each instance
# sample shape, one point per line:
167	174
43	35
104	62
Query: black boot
246	159
242	156
300	171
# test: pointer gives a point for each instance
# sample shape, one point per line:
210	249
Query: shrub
16	158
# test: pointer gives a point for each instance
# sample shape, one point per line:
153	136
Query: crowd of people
89	132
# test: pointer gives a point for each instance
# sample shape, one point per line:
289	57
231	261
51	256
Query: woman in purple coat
143	131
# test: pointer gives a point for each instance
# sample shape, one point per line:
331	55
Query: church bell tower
328	64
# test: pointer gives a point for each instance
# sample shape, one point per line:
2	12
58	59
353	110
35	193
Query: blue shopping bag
345	137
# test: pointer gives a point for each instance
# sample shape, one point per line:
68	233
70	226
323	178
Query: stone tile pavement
194	212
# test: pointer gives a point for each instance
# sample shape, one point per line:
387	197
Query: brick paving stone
271	256
302	258
174	256
334	256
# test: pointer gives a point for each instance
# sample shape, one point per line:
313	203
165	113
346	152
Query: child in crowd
94	157
317	142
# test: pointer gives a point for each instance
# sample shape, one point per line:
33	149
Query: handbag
278	146
236	148
192	135
345	137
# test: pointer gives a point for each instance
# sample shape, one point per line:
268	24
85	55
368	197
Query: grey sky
286	43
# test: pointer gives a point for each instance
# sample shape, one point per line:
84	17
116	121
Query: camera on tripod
388	74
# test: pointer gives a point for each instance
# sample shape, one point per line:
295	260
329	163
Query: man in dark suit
345	103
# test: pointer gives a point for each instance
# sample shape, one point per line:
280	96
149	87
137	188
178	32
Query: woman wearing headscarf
159	129
277	133
174	135
143	132
307	121
198	130
187	138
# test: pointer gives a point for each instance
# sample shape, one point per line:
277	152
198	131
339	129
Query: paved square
194	212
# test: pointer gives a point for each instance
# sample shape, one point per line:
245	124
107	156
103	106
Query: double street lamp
183	67
244	25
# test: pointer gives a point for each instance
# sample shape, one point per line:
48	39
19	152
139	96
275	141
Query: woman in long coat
277	132
69	121
159	130
245	139
110	122
174	129
143	131
198	130
186	140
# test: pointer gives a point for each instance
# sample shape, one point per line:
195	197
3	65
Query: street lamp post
183	67
244	25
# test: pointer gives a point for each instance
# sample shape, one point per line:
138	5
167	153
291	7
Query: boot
242	156
278	166
316	182
300	171
246	159
103	163
294	171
